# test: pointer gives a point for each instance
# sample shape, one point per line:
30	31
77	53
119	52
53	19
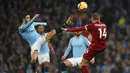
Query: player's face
27	18
78	33
41	29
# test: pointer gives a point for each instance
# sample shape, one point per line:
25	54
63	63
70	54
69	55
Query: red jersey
87	35
98	31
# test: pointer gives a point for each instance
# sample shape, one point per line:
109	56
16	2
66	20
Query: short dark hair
25	14
96	16
36	27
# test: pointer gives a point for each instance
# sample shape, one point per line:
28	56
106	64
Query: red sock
85	69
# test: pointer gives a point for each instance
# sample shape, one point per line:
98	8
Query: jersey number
102	33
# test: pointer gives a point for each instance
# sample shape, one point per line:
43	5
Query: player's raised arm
31	21
27	22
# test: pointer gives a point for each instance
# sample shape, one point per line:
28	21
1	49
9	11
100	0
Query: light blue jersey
44	49
78	46
28	31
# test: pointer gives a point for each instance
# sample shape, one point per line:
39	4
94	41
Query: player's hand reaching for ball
36	15
63	58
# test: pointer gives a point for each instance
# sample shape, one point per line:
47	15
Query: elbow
47	38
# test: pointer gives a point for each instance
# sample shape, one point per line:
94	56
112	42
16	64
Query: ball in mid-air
82	6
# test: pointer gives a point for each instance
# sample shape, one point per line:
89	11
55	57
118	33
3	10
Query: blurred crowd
15	53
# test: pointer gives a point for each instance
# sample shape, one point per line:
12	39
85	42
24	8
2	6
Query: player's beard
77	35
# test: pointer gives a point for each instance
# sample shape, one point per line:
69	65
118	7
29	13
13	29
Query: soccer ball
82	6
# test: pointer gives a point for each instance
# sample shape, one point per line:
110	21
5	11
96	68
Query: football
82	6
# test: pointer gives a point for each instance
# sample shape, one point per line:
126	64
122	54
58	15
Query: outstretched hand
63	58
36	15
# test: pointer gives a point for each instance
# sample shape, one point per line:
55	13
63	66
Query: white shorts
42	58
75	61
37	45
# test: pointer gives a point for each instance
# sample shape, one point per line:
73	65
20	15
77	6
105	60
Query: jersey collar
96	21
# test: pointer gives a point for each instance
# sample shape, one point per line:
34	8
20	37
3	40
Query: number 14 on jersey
102	33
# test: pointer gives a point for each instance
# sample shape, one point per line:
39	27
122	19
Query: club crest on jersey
29	31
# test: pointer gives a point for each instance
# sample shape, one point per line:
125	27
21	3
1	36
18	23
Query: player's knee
67	63
83	63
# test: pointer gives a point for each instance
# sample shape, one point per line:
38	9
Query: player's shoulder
88	25
84	37
73	38
21	26
104	24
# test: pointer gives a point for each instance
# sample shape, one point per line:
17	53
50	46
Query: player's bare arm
27	22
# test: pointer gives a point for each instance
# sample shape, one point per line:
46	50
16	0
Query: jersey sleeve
68	49
82	28
87	42
88	27
39	23
25	26
85	33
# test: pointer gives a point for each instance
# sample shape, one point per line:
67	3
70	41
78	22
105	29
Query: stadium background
14	52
